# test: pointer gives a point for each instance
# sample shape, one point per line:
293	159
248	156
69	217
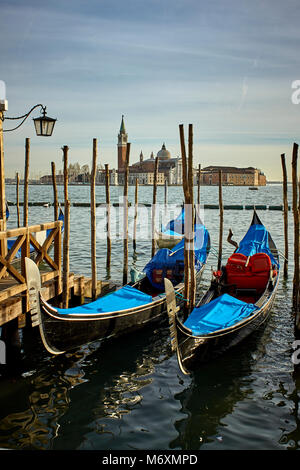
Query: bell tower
122	144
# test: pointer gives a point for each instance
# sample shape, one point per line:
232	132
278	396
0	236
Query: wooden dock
43	244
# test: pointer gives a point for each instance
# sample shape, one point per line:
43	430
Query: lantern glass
44	126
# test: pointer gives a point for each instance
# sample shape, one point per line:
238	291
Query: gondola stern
172	309
33	280
34	286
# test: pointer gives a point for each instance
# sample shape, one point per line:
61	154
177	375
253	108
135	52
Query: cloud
227	67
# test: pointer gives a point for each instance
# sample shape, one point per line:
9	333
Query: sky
227	67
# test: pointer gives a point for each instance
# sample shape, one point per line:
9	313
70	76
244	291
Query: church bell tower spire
122	144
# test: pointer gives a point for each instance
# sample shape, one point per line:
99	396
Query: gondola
172	233
238	301
125	310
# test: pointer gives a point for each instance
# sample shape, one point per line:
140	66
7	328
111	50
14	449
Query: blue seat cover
220	313
122	299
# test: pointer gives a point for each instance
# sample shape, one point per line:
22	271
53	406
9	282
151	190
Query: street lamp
44	125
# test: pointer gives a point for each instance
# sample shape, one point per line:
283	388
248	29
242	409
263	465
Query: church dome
163	154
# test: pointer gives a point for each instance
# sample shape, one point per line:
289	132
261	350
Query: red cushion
260	262
253	276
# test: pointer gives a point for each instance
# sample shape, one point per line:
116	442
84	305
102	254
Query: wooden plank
43	255
12	291
48	276
10	309
12	270
16	232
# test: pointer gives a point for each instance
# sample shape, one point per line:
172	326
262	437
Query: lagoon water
130	394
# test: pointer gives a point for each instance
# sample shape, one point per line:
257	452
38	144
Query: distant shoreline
38	183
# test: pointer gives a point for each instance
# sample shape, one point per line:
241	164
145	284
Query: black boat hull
62	333
192	351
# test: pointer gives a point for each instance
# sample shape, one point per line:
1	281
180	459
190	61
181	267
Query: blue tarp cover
256	241
166	259
222	312
122	299
177	225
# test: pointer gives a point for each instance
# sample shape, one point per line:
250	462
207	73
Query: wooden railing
34	242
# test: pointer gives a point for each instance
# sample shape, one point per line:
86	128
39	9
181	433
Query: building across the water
169	168
233	176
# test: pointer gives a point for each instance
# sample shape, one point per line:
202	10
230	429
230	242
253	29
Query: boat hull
192	351
61	333
167	241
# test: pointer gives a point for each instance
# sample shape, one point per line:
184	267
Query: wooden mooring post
199	185
221	222
154	206
18	198
192	233
26	177
108	237
125	217
136	205
55	199
93	221
186	221
285	216
66	238
296	236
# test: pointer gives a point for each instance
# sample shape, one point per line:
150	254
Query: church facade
169	168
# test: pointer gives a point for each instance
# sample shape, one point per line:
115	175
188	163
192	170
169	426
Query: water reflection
213	393
129	393
93	385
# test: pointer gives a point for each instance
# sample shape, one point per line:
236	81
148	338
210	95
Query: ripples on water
129	394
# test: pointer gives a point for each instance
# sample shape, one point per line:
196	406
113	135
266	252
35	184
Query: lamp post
44	126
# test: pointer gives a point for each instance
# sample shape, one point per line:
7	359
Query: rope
180	296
